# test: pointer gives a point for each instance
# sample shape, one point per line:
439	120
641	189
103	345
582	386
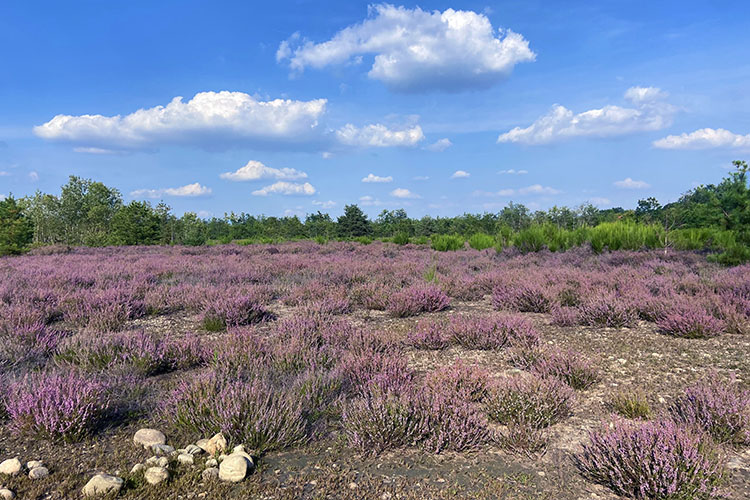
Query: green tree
353	223
16	230
192	230
136	224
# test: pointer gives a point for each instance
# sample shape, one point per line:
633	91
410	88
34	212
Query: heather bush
252	412
692	322
630	403
522	298
492	332
716	406
465	382
64	406
565	316
370	296
225	312
652	460
567	366
452	423
387	371
607	311
430	334
416	300
529	401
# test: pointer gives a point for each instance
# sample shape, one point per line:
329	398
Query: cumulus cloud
189	190
209	119
705	138
629	183
599	202
378	135
324	204
255	170
287	189
538	189
417	50
421	178
460	174
513	172
376	178
440	145
650	112
404	194
369	201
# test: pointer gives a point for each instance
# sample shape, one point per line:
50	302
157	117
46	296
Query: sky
440	108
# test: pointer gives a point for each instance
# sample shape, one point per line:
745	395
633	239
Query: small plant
529	402
481	241
565	316
717	407
522	298
466	382
416	300
431	335
446	242
652	460
631	404
235	311
452	423
691	323
569	367
401	238
607	311
492	332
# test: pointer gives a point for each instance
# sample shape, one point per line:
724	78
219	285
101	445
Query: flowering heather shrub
691	322
329	306
225	312
492	332
388	371
463	287
565	316
430	335
717	407
652	460
29	344
607	311
254	413
569	367
522	298
452	423
529	401
650	308
371	296
320	393
380	420
56	406
466	382
631	404
241	351
416	300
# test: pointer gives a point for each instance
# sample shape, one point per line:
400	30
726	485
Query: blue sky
444	107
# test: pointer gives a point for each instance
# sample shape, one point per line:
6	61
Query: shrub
717	407
416	300
492	332
431	335
389	372
522	298
401	238
446	242
233	311
565	316
529	401
631	404
480	241
691	323
452	422
569	367
259	415
57	406
466	382
607	311
652	460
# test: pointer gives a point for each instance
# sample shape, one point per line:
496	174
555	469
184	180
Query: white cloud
538	189
599	202
255	170
95	151
439	145
204	214
705	138
629	183
651	112
513	172
460	174
209	119
189	190
502	192
327	155
33	176
421	178
286	188
2	197
375	178
378	135
418	51
3	173
369	201
324	204
404	194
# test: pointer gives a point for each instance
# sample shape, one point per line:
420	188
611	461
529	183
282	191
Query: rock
152	461
162	462
212	462
216	444
7	494
155	475
137	468
238	448
11	467
234	468
185	458
243	454
162	449
33	464
210	474
193	450
38	473
149	437
102	484
202	443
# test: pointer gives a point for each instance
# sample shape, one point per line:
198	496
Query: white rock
102	484
152	461
210	474
212	462
7	494
217	444
149	437
11	467
238	448
243	454
155	475
202	443
162	462
162	449
137	468
38	473
185	458
33	464
234	468
193	450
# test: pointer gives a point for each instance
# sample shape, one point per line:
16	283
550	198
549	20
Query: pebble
210	474
11	467
193	450
137	468
152	461
185	458
7	494
234	468
353	486
33	464
162	449
102	484
149	437
155	475
217	444
38	473
212	462
162	462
